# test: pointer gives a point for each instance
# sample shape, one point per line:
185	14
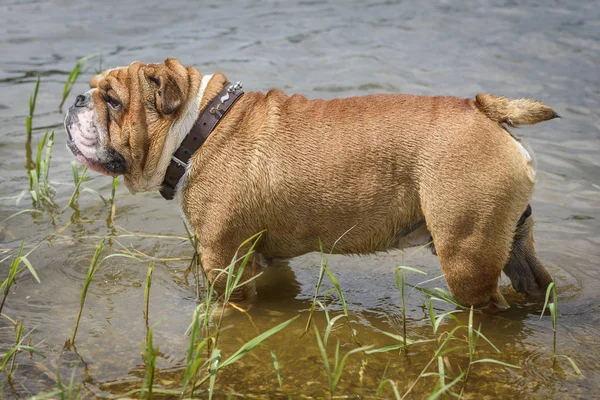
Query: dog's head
120	126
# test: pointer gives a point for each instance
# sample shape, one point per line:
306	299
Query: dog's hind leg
472	267
473	239
526	272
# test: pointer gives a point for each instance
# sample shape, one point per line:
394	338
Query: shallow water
546	50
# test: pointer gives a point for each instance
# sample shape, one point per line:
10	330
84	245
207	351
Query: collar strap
207	121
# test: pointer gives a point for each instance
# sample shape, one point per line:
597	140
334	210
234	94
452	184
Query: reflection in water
321	49
278	283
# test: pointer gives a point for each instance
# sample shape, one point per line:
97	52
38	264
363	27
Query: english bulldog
356	175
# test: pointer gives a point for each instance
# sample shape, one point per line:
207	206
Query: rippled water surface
546	50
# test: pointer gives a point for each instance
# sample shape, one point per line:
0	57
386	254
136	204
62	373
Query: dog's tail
514	112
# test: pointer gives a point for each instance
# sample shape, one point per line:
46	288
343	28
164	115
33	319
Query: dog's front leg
219	261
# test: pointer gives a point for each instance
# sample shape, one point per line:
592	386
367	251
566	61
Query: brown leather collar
206	123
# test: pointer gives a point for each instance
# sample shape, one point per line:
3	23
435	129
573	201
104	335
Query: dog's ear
170	82
168	94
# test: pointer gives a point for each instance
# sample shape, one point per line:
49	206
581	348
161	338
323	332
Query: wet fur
526	272
352	172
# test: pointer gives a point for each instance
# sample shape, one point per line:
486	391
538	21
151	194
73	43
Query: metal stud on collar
235	87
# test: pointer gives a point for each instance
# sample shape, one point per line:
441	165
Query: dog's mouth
115	167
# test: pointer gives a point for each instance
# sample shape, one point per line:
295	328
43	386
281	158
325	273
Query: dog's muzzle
89	142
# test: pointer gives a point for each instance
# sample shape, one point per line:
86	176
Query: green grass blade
151	353
324	356
481	335
385	349
276	366
45	168
493	361
411	269
38	157
215	358
330	324
35	192
95	192
32	102
439	319
445	388
72	78
88	280
75	172
470	334
194	354
399	338
548	291
441	372
30	268
573	364
394	387
147	287
440	295
248	346
317	288
338	288
449	337
340	367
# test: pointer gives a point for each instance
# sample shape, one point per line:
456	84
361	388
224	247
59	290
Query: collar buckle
179	162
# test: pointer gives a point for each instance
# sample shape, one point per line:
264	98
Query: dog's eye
112	103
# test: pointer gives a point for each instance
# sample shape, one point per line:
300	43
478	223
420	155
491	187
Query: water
545	50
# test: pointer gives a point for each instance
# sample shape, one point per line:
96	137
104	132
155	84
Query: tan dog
376	172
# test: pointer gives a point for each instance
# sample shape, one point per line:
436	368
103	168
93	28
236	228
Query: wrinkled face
121	124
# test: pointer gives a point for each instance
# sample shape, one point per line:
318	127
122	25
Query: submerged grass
195	354
94	264
93	268
325	270
78	180
18	342
10	355
401	283
39	182
14	270
333	369
71	391
553	308
150	355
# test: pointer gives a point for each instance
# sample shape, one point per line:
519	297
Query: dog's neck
192	130
177	133
182	127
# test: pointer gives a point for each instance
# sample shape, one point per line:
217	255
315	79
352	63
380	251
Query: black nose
80	101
